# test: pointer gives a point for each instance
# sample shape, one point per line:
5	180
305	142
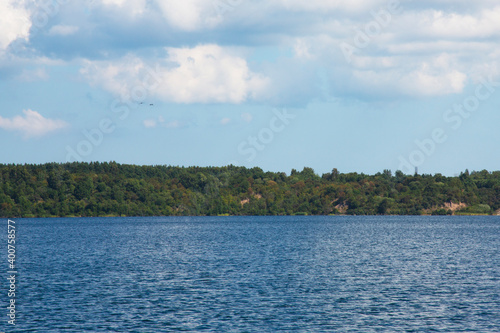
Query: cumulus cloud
415	52
187	15
190	15
203	74
434	78
130	7
209	73
420	82
32	124
305	38
321	5
455	25
15	22
301	49
63	30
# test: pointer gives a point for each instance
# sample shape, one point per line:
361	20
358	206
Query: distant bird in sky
150	104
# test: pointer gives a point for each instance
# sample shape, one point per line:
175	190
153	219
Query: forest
112	189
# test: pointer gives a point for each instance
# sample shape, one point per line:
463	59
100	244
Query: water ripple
260	274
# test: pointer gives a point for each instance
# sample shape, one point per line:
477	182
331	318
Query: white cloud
33	124
225	121
209	73
129	7
322	5
291	39
301	49
483	70
419	53
423	82
38	74
454	25
15	22
429	79
190	15
149	123
160	121
187	15
118	77
63	30
203	74
399	59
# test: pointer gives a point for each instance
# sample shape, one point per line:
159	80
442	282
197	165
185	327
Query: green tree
84	188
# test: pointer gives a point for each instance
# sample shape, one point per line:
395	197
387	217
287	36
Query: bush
442	211
477	209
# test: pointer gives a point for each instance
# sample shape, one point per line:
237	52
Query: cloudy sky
358	85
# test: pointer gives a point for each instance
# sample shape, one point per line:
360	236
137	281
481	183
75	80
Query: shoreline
228	215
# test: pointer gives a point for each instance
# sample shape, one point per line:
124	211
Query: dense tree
111	189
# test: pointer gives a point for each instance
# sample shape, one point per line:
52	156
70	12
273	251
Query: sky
358	85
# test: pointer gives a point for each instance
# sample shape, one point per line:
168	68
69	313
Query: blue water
258	274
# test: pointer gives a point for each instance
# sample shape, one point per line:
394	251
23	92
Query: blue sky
361	85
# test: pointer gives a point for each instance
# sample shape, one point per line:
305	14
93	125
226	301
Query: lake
257	274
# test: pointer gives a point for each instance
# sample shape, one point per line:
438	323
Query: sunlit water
258	274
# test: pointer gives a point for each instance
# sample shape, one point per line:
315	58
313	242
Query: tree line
112	189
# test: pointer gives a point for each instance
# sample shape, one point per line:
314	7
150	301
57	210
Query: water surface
259	274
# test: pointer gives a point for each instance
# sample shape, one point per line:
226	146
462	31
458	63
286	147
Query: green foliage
111	189
383	207
481	209
442	211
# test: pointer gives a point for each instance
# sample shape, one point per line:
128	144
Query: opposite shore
112	189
